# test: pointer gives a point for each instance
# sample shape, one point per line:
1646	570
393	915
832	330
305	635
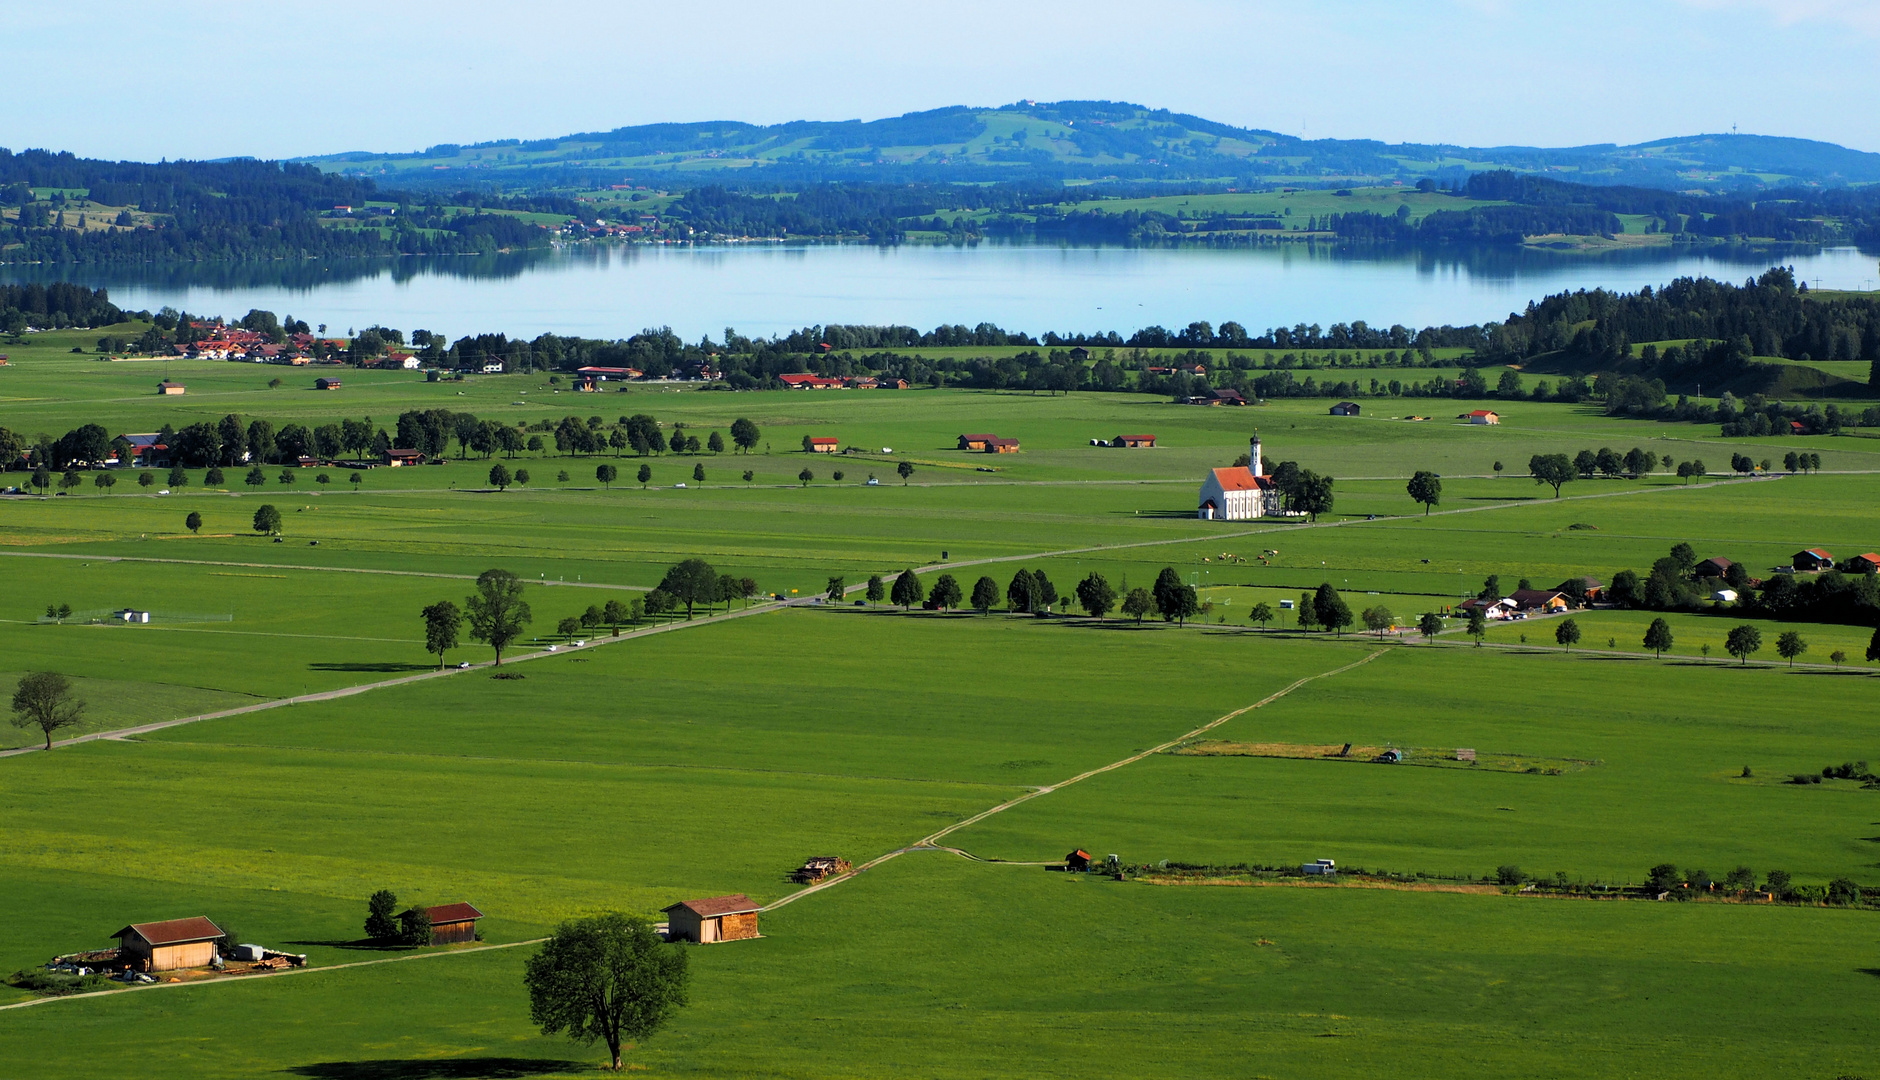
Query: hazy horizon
207	78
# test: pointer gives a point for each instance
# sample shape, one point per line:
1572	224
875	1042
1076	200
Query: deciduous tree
1742	641
1553	469
607	978
381	922
986	596
499	477
904	470
1095	595
1330	609
267	519
1262	613
496	611
1567	634
908	590
43	699
1427	488
946	593
1430	625
193	522
1137	604
442	622
1789	645
691	581
1658	637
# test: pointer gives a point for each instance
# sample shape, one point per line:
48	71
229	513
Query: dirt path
931	842
238	980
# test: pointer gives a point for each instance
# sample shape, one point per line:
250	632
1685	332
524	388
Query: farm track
931	842
328	695
270	977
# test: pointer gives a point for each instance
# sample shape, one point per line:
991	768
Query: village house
170	389
1813	559
453	923
821	444
169	946
1709	568
1492	609
1590	587
975	443
1545	601
809	382
1867	563
1346	408
145	451
396	457
1218	397
1134	441
1481	416
1238	493
719	918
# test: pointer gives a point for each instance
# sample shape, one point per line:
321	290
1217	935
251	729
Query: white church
1240	493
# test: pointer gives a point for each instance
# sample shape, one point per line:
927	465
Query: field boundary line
268	978
362	688
296	566
930	842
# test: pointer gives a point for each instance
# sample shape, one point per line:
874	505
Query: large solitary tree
1552	469
1427	488
267	519
442	622
497	611
692	581
1742	641
44	700
1658	637
607	978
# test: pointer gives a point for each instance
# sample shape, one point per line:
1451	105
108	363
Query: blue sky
203	78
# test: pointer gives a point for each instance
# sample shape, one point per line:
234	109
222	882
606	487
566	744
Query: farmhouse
1078	352
1238	493
1813	559
1134	441
1218	397
1482	416
1345	408
1493	609
1543	600
975	443
1590	586
326	384
1712	568
452	923
396	457
1002	446
169	946
809	382
720	918
821	444
145	451
591	375
170	389
1868	563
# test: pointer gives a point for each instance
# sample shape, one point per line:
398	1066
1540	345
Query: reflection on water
607	291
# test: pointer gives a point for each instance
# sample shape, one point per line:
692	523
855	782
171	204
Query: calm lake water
765	288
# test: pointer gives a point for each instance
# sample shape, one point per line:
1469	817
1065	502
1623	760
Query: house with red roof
1482	416
1813	559
1867	563
170	945
809	382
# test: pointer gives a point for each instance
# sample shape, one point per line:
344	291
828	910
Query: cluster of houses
235	343
1576	592
988	444
850	382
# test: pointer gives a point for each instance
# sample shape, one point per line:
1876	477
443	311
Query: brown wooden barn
452	923
170	945
720	918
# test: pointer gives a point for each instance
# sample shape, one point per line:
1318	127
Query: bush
1665	878
1509	875
380	924
414	927
1843	891
55	984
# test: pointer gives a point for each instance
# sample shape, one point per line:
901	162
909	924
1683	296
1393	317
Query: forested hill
1049	141
58	208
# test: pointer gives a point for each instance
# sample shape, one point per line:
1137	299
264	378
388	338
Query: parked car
874	482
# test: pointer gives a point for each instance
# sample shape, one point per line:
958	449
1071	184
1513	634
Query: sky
147	79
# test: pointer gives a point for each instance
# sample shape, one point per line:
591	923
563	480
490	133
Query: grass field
713	758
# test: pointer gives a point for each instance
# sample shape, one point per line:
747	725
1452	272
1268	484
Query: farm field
713	758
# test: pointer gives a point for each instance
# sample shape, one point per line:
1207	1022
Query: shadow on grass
382	666
358	945
1875	972
478	1068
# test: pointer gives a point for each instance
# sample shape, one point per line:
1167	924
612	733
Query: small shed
1813	559
1078	352
823	444
1482	416
1346	408
169	946
326	384
452	923
719	918
1077	860
170	389
1134	441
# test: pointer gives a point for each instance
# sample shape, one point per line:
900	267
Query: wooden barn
720	918
976	443
1077	860
1134	442
169	946
452	923
326	384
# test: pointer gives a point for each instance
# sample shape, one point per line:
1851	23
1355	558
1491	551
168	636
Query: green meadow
712	758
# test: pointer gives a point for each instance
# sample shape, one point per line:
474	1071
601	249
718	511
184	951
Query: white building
1240	493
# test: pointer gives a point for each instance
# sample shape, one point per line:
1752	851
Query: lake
613	291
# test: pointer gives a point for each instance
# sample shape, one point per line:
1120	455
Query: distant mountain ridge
1084	140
